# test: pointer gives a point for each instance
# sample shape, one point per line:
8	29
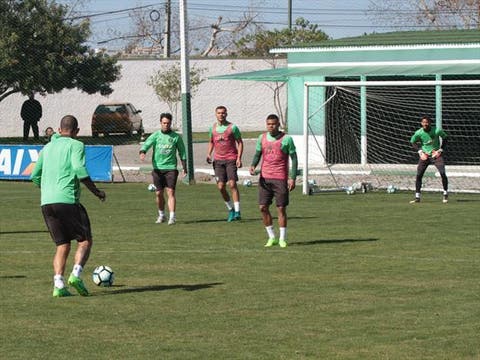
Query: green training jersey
58	171
288	146
221	129
429	140
165	147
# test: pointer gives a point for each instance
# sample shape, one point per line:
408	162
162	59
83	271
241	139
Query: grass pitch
367	276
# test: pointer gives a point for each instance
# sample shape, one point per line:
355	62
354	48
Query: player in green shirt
430	143
275	148
59	170
165	143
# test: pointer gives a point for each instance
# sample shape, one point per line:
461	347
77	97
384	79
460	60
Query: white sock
283	233
77	270
161	213
228	204
270	232
445	192
172	215
236	206
58	281
417	195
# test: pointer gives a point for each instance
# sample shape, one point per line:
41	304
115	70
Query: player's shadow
330	241
141	289
12	276
23	232
244	219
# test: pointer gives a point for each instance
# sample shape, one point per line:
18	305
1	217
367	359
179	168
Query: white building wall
248	102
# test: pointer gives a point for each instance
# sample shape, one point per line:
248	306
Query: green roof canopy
282	74
412	54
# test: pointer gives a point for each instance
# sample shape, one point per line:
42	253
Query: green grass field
367	276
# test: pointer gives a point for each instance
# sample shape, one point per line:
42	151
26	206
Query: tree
40	51
218	28
430	14
260	43
167	85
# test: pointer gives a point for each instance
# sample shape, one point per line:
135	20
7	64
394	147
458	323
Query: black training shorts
225	170
165	179
273	188
67	222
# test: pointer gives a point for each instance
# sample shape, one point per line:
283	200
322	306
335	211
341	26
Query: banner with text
17	161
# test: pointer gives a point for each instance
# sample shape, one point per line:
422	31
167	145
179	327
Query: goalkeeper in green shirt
59	170
430	143
165	143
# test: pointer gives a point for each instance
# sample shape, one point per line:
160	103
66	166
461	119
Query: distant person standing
166	143
226	144
31	114
275	147
59	170
430	143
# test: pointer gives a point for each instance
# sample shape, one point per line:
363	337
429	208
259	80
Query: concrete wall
248	102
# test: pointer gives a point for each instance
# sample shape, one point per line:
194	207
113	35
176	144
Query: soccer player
59	170
275	181
166	143
430	142
226	144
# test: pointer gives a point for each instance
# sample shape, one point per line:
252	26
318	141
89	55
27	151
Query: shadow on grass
245	220
467	200
12	277
329	241
23	232
140	289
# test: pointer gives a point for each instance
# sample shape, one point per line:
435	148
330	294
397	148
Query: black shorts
273	188
225	170
67	222
438	162
165	179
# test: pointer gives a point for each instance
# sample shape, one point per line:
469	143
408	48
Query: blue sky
337	18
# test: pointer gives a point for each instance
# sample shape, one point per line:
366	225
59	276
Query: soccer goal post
362	131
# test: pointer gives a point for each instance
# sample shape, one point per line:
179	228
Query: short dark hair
166	115
273	117
221	107
426	117
69	122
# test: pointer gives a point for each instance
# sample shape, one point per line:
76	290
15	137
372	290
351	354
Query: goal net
366	142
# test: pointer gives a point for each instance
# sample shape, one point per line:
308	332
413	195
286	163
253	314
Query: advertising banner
17	161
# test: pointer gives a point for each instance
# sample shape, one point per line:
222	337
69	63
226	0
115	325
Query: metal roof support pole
438	101
305	140
363	121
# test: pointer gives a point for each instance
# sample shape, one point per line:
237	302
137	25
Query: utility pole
185	87
290	14
168	13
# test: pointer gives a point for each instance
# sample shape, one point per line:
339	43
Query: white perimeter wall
248	102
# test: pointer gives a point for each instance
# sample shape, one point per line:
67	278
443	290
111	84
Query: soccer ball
247	182
103	276
391	189
350	190
151	187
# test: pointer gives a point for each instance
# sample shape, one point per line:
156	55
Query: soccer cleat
78	284
231	215
237	216
172	221
63	292
282	243
271	242
417	200
445	199
160	219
